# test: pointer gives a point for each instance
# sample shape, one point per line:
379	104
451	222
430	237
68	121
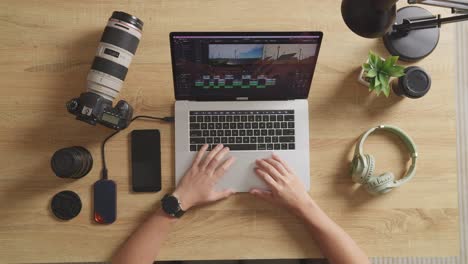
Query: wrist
160	213
184	202
305	208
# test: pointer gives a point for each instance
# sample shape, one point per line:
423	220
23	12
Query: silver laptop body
245	90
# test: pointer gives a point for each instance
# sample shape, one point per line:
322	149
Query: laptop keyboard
243	130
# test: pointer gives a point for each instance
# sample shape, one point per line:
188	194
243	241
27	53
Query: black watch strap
179	213
171	205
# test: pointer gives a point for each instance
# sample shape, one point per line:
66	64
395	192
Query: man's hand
286	188
197	185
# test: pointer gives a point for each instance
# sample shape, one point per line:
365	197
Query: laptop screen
243	66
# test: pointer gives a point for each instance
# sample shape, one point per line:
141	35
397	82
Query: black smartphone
146	160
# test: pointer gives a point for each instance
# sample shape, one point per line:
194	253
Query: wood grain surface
46	48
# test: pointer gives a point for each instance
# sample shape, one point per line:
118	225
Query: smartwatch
171	205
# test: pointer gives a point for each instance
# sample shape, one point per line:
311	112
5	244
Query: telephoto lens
73	162
115	52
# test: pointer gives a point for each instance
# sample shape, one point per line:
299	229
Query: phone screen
146	160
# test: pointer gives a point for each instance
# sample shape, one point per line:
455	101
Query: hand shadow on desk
26	189
51	126
354	94
54	127
355	194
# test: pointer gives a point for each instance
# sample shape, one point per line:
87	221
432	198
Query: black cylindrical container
73	162
414	84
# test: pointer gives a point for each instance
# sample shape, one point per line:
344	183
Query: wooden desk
46	49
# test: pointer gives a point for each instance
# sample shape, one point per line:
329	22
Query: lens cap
66	205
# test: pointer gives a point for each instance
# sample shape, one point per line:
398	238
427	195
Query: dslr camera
115	52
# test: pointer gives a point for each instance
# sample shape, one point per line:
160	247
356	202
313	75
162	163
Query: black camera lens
73	162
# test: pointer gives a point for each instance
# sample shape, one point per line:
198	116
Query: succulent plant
378	72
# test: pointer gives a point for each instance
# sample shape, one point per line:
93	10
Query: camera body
115	52
93	108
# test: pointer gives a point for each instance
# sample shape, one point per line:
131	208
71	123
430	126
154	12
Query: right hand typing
197	187
286	188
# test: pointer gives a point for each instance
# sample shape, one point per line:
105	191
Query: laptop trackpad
241	176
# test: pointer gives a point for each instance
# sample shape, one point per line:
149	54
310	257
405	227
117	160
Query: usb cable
168	119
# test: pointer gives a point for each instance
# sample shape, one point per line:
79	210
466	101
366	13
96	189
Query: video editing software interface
254	66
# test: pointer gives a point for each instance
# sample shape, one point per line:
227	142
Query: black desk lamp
411	32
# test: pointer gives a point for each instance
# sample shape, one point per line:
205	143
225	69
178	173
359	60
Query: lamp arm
426	22
453	4
416	23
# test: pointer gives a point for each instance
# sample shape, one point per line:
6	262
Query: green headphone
363	165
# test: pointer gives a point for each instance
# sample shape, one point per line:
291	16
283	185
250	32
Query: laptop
247	91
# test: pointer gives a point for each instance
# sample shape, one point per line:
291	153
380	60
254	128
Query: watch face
171	205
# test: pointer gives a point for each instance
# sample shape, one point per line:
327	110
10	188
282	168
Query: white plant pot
361	78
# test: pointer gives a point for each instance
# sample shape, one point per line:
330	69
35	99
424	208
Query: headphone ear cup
380	184
358	169
370	167
362	168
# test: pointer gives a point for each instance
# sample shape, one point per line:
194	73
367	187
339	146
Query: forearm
144	244
195	188
334	243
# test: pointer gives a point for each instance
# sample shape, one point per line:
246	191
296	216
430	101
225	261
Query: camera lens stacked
73	162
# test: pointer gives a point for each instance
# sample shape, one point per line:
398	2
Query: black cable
168	119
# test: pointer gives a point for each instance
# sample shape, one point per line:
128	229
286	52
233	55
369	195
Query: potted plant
376	73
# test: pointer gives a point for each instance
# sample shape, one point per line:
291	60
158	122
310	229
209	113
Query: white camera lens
115	52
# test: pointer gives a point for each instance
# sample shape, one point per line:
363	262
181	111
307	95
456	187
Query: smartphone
146	160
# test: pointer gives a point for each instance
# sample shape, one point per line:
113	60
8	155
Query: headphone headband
406	140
